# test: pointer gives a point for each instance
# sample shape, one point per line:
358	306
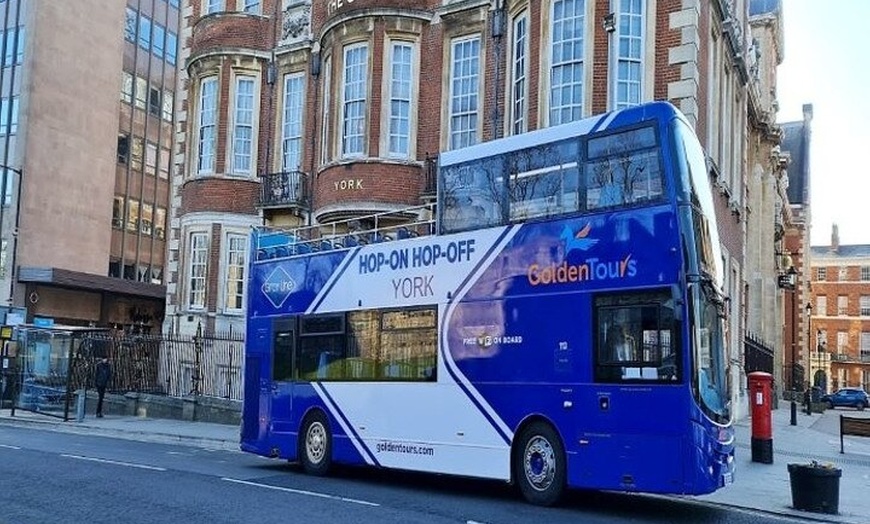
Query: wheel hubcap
315	442
539	463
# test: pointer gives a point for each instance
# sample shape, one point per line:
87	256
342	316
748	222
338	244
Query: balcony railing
430	177
401	224
285	189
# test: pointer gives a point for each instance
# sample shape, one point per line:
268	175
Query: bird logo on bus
579	240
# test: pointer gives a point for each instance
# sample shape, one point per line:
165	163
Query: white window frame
212	6
633	14
206	126
822	305
562	112
842	305
864	306
234	257
519	76
325	133
821	274
244	130
251	6
464	107
842	342
400	98
354	100
292	121
197	269
865	273
843	274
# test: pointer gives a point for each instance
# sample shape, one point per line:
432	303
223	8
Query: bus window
623	169
543	180
282	363
637	338
321	348
472	195
363	338
409	344
283	346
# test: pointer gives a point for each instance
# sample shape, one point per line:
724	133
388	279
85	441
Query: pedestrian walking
102	375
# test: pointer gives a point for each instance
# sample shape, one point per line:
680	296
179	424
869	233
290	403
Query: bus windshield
710	355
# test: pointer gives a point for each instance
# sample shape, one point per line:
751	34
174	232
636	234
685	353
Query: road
48	477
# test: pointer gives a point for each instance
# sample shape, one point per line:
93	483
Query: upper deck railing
273	243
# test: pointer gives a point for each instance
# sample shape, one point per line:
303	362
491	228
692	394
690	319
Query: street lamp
788	280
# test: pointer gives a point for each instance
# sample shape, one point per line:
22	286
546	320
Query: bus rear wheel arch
315	444
539	463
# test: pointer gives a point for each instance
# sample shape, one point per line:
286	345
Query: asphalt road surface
50	477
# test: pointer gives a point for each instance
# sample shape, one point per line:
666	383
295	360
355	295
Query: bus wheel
316	446
539	464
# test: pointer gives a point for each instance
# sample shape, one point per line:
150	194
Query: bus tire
539	464
315	446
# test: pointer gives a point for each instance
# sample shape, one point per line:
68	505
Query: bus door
283	355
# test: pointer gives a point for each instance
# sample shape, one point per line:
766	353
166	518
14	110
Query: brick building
313	112
794	247
85	141
840	326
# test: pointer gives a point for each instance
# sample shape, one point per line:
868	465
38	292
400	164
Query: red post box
761	400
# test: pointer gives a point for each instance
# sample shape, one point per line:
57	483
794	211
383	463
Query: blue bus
555	321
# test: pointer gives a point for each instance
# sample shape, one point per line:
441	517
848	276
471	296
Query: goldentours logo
278	287
591	269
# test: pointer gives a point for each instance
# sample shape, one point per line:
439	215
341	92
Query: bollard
80	405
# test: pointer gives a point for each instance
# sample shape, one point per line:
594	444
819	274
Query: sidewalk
766	487
762	487
196	434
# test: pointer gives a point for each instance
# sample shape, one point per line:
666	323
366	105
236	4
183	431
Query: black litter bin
815	487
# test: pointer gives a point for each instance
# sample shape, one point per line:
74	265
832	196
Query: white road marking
8	446
114	462
303	492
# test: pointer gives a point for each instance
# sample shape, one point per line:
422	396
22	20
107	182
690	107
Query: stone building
839	334
768	212
297	112
85	140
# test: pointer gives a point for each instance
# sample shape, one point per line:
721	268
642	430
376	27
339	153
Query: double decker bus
555	321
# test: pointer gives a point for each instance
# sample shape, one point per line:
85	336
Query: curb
82	428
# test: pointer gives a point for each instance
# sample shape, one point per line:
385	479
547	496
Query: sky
827	64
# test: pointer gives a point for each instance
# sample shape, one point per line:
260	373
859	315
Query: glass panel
464	86
543	181
473	195
292	128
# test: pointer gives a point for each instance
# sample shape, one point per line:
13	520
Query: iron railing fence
757	355
205	364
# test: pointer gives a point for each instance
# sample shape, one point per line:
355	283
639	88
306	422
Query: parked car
847	397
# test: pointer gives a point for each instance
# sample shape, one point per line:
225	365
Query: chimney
835	239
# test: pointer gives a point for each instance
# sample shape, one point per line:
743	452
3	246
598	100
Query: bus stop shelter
50	364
